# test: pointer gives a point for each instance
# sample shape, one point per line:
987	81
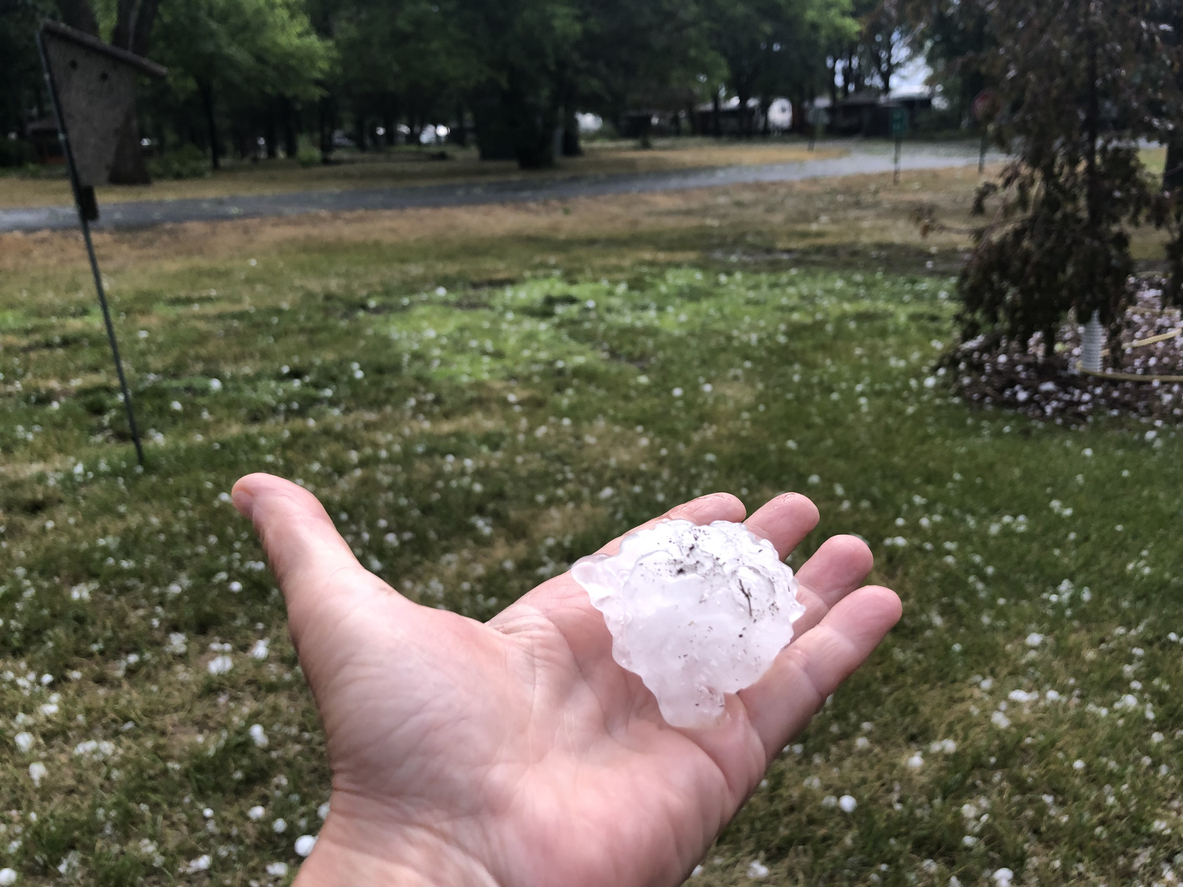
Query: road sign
899	122
818	119
985	106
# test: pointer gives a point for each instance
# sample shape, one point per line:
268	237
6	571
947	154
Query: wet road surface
146	213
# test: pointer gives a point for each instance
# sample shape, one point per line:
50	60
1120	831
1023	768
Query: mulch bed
995	371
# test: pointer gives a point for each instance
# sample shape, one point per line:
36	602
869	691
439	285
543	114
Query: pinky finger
784	700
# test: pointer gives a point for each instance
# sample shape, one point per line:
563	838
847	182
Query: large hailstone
694	611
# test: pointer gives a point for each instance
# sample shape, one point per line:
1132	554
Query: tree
750	35
1082	81
796	62
21	82
650	56
886	40
236	56
408	59
957	41
522	49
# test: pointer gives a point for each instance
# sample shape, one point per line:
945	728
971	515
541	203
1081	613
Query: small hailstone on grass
24	741
255	813
261	648
915	762
220	665
277	869
279	826
7	877
757	869
215	384
695	611
1034	639
1078	764
176	643
847	803
258	735
1003	877
999	720
38	771
200	864
304	845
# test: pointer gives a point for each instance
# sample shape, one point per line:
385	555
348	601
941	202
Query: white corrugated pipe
1090	351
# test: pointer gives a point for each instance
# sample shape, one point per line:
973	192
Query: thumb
319	576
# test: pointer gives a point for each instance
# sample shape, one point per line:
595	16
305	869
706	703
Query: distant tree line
512	73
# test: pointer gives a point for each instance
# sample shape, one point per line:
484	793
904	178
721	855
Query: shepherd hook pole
94	263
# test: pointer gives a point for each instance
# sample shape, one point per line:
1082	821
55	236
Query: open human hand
517	752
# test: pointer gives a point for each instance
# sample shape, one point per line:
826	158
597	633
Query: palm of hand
518	752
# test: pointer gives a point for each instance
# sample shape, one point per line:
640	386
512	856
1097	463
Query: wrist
360	851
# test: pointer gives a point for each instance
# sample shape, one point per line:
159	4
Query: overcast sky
911	76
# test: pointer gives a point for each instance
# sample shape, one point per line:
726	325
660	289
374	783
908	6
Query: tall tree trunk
79	14
129	166
133	30
459	133
571	146
1092	131
271	130
328	122
745	118
207	101
1172	174
145	20
291	141
359	134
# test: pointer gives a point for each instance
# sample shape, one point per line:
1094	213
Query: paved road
145	213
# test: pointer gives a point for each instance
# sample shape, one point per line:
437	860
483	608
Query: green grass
478	413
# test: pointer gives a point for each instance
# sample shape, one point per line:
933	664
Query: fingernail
244	501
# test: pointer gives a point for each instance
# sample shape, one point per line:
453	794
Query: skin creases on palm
517	751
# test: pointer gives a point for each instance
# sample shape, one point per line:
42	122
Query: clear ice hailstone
694	611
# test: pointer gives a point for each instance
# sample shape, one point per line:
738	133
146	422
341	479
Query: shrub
16	152
186	162
307	155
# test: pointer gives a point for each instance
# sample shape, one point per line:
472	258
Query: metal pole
898	145
94	264
982	155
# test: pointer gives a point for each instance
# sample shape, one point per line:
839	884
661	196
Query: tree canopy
512	72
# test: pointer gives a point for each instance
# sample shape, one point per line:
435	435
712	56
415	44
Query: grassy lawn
481	396
411	166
